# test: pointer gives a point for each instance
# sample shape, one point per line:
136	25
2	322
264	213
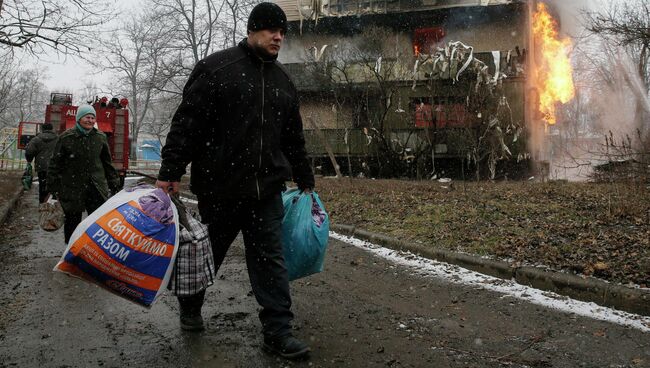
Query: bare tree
378	65
195	27
30	96
22	96
7	76
621	59
333	73
153	55
159	118
238	11
90	92
627	25
494	135
61	25
135	58
193	23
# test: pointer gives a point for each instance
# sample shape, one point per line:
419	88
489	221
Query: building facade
427	80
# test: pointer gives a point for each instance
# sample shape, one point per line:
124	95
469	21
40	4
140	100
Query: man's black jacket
41	148
240	127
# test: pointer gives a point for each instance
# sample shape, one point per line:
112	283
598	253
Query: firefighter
39	150
240	127
81	174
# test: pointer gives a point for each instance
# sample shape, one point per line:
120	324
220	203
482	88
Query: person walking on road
81	174
39	150
239	125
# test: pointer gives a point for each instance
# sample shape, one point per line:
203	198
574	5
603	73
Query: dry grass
599	229
9	183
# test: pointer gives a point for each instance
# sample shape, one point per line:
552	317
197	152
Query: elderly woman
80	173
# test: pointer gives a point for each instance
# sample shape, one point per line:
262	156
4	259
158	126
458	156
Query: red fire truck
112	119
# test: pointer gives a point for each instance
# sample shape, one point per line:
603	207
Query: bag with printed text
127	246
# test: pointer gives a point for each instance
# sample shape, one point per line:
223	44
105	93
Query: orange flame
554	71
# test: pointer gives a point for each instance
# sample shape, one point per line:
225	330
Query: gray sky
72	73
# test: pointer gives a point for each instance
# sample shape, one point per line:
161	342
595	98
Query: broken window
446	112
425	40
423	112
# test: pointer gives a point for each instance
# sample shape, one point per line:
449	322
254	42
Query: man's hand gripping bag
127	246
305	233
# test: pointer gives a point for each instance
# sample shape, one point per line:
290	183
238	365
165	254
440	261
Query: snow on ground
428	268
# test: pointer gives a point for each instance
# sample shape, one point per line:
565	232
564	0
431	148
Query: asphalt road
363	311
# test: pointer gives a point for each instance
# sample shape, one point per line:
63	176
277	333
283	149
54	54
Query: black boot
192	321
190	307
287	347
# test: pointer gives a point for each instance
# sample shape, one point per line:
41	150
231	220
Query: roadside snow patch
428	268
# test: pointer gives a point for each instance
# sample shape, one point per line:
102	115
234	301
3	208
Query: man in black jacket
40	149
239	125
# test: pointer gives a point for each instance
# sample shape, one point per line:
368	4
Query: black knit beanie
267	16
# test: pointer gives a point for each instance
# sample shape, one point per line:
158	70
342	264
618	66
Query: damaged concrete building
439	83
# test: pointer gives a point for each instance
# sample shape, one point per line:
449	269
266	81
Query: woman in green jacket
81	174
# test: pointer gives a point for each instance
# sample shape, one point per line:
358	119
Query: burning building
422	85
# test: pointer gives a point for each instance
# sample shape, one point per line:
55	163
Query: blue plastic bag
305	233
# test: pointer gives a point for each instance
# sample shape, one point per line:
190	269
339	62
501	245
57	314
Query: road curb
587	289
5	209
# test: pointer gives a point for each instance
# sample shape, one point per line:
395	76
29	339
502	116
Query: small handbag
50	215
27	177
194	268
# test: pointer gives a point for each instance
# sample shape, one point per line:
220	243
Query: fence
11	158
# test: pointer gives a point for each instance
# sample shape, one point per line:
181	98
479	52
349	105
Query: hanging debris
310	10
451	61
378	65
